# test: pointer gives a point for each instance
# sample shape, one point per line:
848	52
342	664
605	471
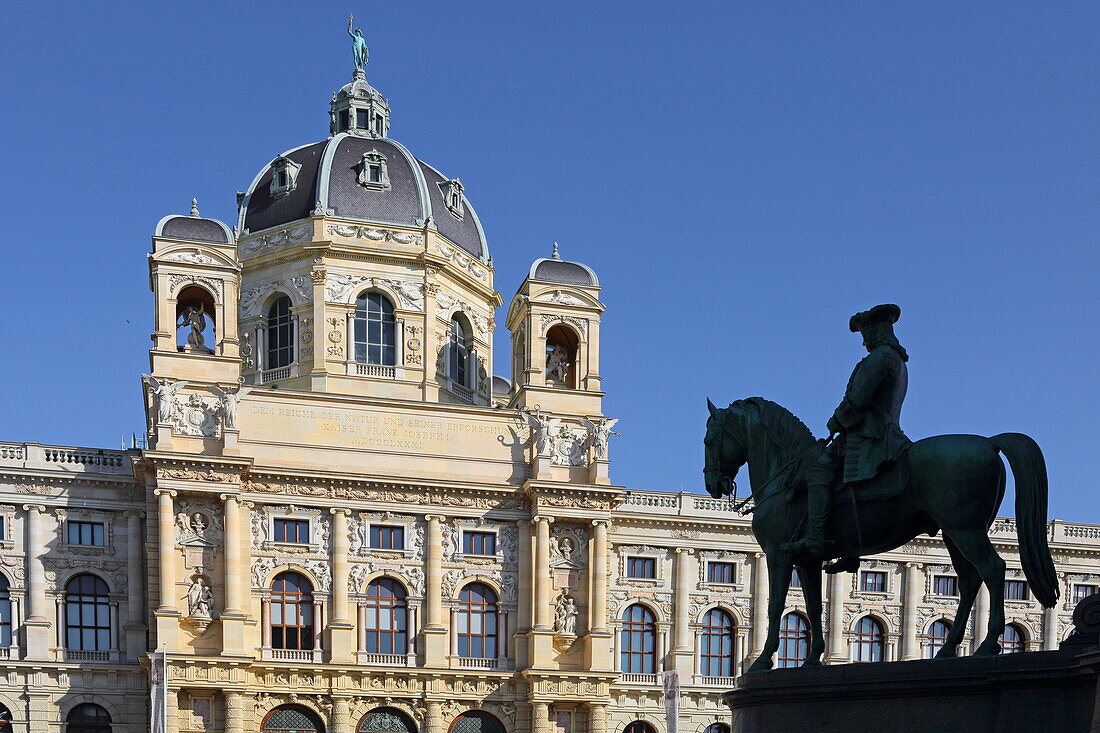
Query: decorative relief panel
192	257
174	281
198	521
375	234
300	287
263	566
275	240
411	574
455	577
445	302
461	259
195	415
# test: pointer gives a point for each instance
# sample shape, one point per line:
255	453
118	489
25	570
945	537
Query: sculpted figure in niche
199	598
566	548
164	395
565	614
557	364
599	432
195	317
227	403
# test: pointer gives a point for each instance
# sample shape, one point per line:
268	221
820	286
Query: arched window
280	334
936	638
5	719
87	717
639	726
292	719
195	320
458	352
5	619
1012	639
717	728
386	720
716	644
477	622
387	626
87	615
476	721
638	641
375	330
561	357
291	612
794	640
869	641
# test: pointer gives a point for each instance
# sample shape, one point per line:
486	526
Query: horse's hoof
760	665
812	663
944	654
988	649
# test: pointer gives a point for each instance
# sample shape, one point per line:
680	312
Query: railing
713	505
477	663
64	458
6	653
672	501
81	655
682	503
386	660
274	375
1082	530
715	681
293	655
638	679
462	392
86	457
13	451
372	370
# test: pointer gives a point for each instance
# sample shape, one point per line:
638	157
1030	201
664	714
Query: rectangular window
641	567
361	119
720	572
1082	591
376	174
344	120
873	581
1015	590
479	543
86	533
292	531
945	585
387	538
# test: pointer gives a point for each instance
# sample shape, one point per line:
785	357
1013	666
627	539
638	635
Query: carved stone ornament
262	567
300	286
197	474
558	296
461	259
198	523
196	415
567	547
274	240
193	257
375	234
549	319
174	281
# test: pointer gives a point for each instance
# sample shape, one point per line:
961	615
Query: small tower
359	109
555	323
195	278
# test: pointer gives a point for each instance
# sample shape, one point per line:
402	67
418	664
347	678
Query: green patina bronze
868	489
358	45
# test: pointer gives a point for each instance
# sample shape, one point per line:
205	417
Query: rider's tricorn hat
885	313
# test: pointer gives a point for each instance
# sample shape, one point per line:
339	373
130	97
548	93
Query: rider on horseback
869	437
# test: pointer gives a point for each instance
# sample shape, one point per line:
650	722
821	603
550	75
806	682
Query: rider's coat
870	414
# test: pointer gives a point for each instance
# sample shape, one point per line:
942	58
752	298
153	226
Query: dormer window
362	119
452	197
344	120
372	171
284	176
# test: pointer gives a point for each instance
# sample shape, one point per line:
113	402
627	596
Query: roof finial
194	207
554	255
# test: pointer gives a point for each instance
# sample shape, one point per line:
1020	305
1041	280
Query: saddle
889	483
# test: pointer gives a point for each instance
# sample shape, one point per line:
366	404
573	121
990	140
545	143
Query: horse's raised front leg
979	551
779	580
810	577
969	583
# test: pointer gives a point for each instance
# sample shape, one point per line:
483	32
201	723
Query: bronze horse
951	483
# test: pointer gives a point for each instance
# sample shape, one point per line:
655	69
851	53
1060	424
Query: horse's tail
1030	471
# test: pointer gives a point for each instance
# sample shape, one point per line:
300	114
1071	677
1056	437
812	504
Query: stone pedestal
541	468
231	442
599	472
1036	691
163	436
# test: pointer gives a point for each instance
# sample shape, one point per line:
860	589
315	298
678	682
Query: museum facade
344	522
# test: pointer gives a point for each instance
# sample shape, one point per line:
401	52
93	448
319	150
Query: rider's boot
812	541
848	564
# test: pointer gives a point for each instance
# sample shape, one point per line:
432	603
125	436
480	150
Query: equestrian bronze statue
868	489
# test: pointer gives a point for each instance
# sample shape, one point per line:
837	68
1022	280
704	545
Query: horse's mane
784	430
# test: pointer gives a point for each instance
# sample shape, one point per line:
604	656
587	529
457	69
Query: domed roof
554	269
328	174
501	386
194	228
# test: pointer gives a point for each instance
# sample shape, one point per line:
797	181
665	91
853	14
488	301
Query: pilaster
597	650
838	593
759	606
37	624
914	589
135	627
167	613
542	635
233	617
435	632
341	631
683	656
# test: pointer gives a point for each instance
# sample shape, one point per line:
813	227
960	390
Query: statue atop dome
358	45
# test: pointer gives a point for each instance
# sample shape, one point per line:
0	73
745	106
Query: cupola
359	109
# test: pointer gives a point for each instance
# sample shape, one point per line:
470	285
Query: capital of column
165	492
434	518
685	550
133	513
541	518
227	497
40	508
914	565
339	510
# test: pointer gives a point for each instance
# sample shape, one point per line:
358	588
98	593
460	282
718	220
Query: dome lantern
359	109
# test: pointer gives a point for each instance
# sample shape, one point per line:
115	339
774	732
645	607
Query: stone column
37	624
542	572
166	525
341	715
684	643
838	593
434	717
981	617
759	604
1050	628
135	578
540	717
435	632
913	590
341	628
236	561
234	712
597	717
598	605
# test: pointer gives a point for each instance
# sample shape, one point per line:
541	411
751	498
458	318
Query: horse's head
723	453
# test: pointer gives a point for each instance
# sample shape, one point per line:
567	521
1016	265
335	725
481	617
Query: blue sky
743	176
